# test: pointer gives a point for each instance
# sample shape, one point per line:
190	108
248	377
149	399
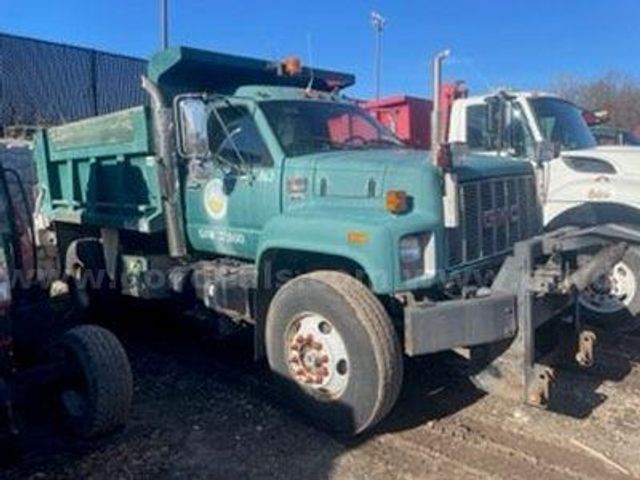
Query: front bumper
431	328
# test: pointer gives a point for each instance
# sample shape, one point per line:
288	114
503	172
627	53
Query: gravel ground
203	409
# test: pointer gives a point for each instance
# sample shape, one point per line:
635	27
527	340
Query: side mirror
496	119
192	120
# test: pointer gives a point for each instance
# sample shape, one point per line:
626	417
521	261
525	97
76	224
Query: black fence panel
117	82
44	83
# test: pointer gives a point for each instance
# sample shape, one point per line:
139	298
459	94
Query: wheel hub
611	293
317	355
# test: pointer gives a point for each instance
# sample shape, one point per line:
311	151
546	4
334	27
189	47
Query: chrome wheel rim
317	355
611	293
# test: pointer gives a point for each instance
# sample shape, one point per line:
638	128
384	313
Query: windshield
306	127
562	122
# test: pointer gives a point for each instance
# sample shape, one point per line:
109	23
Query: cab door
230	196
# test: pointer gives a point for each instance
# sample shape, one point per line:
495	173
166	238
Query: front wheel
332	344
614	299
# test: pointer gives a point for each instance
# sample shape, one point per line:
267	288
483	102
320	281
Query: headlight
412	250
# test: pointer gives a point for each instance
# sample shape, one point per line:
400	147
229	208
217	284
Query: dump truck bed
101	171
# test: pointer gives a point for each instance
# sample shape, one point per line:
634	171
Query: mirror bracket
544	151
496	120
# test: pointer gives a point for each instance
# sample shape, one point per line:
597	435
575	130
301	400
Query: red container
408	117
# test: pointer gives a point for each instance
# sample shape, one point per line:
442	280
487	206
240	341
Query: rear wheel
334	348
96	396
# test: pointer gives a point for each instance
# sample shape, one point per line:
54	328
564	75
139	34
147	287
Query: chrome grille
494	214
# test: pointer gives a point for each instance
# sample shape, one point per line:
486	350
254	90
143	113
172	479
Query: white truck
581	184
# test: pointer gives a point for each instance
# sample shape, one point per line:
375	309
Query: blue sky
514	43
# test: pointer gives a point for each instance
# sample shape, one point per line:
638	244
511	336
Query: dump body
101	172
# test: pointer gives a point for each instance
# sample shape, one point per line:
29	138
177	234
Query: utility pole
164	24
378	23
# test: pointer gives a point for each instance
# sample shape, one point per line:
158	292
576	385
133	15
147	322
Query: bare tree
617	93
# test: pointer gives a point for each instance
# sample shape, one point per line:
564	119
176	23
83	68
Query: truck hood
370	161
367	174
625	159
473	166
361	173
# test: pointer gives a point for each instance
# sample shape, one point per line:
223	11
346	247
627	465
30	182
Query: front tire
332	344
96	397
614	300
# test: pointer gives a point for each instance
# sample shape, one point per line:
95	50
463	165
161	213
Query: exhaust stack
441	154
163	135
436	115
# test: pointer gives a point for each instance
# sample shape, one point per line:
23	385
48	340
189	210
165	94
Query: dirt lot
202	409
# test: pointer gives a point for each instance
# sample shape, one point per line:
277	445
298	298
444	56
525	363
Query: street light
378	23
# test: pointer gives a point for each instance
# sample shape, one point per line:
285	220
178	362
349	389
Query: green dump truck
258	193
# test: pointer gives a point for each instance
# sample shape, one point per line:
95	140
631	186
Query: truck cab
583	184
260	195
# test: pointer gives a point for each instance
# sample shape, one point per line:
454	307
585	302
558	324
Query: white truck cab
582	184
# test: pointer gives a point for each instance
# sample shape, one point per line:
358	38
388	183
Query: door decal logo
215	200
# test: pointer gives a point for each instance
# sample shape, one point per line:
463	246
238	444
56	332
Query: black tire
375	358
625	317
97	398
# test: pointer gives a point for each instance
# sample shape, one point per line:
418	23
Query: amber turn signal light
396	201
292	66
